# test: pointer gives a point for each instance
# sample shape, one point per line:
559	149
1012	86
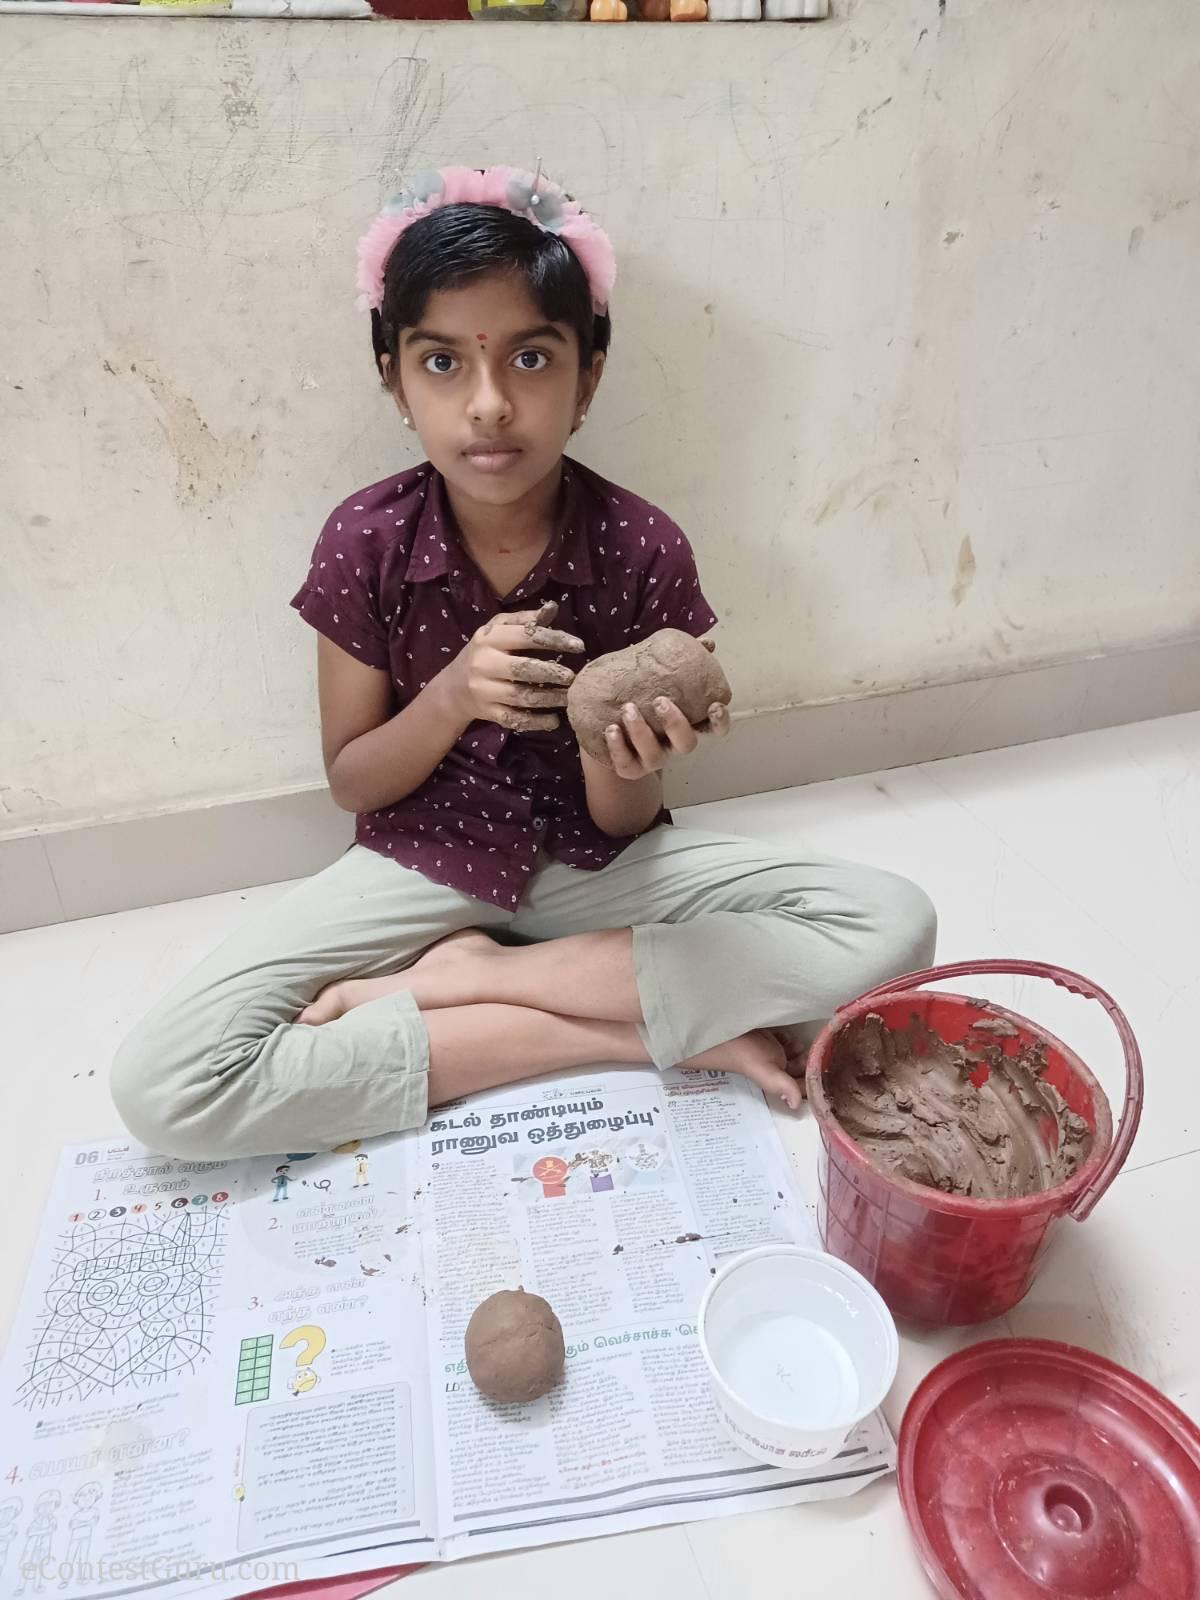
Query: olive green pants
728	935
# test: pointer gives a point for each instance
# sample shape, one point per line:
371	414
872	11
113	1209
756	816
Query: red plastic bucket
943	1259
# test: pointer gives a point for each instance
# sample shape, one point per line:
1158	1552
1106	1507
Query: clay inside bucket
976	1118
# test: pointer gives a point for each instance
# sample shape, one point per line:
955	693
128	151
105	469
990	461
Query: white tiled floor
1084	852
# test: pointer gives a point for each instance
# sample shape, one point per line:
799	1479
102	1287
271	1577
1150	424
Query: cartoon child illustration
281	1180
641	1164
551	1173
360	1170
644	1158
39	1536
77	1565
597	1162
10	1510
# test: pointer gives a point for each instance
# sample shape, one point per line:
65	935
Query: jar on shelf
672	10
529	10
770	10
421	10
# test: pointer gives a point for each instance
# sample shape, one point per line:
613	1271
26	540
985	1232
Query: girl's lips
493	457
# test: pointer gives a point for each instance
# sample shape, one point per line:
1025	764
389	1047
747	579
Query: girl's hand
637	751
494	682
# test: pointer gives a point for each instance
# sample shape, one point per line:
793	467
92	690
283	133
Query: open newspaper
219	1367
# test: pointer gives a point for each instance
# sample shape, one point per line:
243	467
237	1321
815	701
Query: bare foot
440	977
759	1056
796	1062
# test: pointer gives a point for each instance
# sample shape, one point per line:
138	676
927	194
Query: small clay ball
669	663
515	1348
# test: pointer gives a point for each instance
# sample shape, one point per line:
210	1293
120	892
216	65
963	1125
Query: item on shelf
529	10
771	10
672	10
422	10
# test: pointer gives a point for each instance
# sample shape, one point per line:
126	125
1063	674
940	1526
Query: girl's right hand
496	682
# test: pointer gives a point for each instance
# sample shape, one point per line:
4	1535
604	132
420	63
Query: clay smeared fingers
717	724
523	630
527	669
625	762
538	695
554	640
524	617
719	721
646	744
677	730
527	721
542	617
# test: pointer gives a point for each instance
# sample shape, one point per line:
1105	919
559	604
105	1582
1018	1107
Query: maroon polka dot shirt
392	585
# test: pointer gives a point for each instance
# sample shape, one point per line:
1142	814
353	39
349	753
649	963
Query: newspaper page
224	1375
614	1196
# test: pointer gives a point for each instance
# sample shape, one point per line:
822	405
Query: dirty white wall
907	338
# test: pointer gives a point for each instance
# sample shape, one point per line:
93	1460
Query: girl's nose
489	405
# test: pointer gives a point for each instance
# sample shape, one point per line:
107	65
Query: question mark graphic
313	1341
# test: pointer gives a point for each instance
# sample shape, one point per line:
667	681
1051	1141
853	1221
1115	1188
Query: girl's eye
531	360
440	363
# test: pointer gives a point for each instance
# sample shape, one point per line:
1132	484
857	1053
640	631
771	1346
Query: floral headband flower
525	194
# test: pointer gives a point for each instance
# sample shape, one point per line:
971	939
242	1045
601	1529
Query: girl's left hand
637	751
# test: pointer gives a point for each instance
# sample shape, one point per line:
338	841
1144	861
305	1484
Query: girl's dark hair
457	243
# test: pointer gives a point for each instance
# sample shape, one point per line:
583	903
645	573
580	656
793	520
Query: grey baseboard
808	744
59	875
63	874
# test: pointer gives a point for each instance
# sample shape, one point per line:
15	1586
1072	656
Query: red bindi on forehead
482	337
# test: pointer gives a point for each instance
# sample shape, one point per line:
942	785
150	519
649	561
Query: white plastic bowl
800	1349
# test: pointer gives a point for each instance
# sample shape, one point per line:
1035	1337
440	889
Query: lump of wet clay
669	663
910	1101
515	1348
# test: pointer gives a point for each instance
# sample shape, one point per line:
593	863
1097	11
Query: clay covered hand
515	1349
636	706
495	678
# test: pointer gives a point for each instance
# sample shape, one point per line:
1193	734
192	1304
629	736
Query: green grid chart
254	1369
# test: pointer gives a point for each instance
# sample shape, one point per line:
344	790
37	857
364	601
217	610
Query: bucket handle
1131	1112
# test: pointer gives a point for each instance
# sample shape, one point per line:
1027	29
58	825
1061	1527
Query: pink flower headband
524	194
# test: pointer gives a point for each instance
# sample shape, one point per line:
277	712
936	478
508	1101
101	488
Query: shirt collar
569	553
429	556
567	558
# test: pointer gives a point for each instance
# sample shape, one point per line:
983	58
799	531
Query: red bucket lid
1031	1470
